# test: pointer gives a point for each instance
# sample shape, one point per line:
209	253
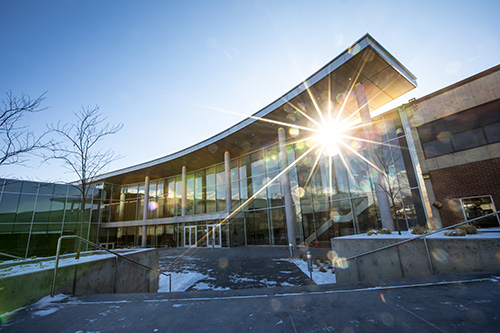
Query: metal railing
418	237
52	291
11	256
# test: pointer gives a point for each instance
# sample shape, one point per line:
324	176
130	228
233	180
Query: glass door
190	236
213	235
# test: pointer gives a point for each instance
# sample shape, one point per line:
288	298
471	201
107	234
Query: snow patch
46	312
180	281
317	276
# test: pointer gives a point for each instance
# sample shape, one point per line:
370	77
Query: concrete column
382	197
145	212
227	172
285	184
184	190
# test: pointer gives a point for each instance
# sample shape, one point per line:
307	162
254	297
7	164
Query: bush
418	230
384	231
372	232
455	233
464	229
468	228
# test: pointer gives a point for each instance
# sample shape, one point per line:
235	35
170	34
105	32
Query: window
464	130
475	207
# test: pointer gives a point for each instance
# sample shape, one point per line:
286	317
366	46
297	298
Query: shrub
322	270
385	231
469	229
455	232
418	230
371	232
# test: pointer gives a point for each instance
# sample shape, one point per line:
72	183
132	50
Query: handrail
418	237
52	291
11	256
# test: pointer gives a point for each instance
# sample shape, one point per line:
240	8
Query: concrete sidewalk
461	304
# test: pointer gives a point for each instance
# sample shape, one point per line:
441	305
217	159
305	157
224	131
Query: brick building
456	136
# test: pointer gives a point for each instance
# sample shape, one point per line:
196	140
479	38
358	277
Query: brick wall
473	179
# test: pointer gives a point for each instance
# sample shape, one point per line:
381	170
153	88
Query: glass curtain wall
332	195
34	215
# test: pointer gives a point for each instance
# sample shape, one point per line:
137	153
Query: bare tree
17	140
386	156
79	152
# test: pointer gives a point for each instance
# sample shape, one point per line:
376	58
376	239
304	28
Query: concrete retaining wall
448	255
108	275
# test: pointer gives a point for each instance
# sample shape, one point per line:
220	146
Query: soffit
383	77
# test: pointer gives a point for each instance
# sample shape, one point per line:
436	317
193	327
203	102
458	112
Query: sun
329	135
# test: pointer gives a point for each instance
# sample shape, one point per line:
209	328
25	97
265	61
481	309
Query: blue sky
161	67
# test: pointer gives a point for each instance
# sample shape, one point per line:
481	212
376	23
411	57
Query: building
310	166
457	140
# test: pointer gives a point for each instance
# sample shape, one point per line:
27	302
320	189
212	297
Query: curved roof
365	61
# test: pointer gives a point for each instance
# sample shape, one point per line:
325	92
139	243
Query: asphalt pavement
458	303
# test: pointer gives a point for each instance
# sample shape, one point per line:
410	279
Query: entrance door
213	235
190	236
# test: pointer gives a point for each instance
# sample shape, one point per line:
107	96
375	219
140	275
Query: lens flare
294	132
153	205
335	216
440	255
332	255
454	205
341	263
300	192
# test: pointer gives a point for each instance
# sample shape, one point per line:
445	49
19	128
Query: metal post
53	290
428	255
309	264
290	247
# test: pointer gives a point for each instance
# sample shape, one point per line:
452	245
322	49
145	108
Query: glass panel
237	227
437	148
178	196
274	193
49	188
340	187
210	200
493	132
257	164
74	191
243	183
409	211
272	159
479	206
341	216
25	208
366	214
280	236
190	194
221	198
12	186
468	139
259	200
170	206
72	213
30	187
210	177
235	194
257	228
42	210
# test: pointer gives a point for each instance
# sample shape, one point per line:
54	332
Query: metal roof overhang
366	61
